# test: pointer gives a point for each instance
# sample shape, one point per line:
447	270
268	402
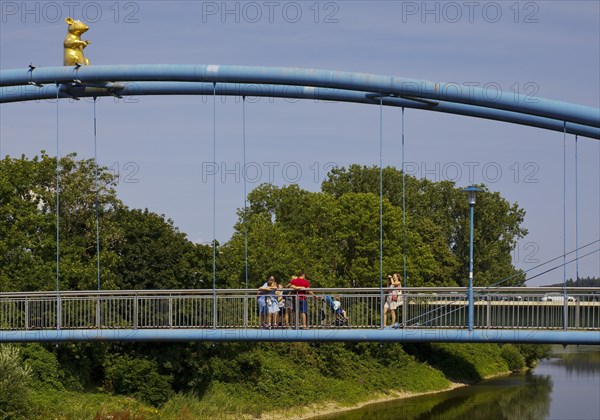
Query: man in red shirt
301	284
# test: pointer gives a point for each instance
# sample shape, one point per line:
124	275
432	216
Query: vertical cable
246	303
214	194
381	204
58	305
576	216
57	195
214	187
403	202
97	176
564	201
565	315
245	188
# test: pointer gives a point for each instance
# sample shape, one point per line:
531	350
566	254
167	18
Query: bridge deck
423	314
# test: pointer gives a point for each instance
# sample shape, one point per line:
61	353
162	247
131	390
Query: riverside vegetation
198	380
335	237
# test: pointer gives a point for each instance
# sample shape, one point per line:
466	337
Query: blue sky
162	146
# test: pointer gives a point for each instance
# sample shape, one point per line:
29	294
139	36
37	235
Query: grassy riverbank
256	380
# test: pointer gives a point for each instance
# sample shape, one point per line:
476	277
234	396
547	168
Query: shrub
45	369
81	364
533	352
138	378
514	359
244	365
14	380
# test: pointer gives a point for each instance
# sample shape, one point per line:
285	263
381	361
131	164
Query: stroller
332	314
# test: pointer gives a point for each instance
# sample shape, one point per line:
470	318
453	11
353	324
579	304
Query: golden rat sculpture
74	45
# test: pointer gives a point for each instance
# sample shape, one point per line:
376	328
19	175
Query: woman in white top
393	298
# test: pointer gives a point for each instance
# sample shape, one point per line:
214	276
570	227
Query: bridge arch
92	81
123	80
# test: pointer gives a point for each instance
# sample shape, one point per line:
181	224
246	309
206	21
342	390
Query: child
337	307
281	305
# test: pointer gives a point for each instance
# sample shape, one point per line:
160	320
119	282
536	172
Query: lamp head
472	191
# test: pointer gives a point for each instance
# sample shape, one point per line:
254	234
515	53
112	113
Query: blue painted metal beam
385	85
49	92
316	335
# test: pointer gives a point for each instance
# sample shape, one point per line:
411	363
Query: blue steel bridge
517	315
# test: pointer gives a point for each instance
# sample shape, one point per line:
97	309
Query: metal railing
418	308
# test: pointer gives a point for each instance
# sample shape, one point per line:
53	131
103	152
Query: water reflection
522	397
557	389
579	362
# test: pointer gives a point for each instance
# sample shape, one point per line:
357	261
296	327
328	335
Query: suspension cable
97	204
403	203
245	187
214	209
576	215
568	262
381	205
438	309
544	263
58	306
564	203
57	194
565	320
214	187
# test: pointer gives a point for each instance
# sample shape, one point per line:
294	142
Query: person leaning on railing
267	304
302	285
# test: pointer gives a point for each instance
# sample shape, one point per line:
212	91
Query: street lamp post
472	191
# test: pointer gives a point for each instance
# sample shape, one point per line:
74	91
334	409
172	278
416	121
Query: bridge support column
472	191
98	320
58	312
245	320
135	312
489	311
170	311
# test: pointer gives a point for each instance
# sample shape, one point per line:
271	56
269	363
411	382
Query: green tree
441	216
336	240
28	235
514	359
154	254
138	249
14	383
289	229
359	232
138	377
26	246
45	369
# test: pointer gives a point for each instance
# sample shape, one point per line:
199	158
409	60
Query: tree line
333	234
580	282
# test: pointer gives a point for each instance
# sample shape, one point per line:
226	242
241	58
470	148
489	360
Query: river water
564	387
